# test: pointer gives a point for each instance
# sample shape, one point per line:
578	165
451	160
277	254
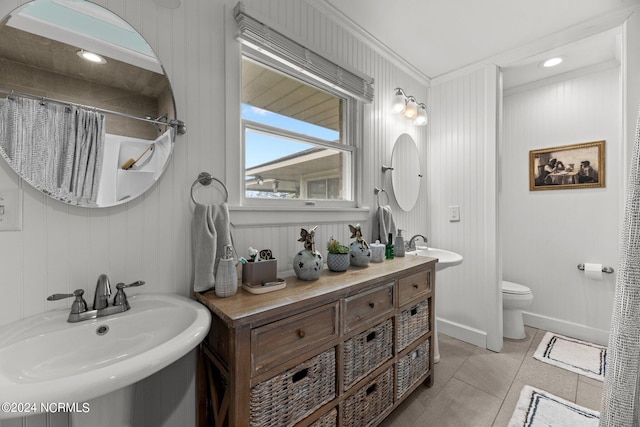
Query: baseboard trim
462	332
562	327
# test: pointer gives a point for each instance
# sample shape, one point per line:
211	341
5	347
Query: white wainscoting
62	248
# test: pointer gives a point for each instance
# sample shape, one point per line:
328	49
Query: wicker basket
412	324
412	366
330	419
366	351
366	404
294	394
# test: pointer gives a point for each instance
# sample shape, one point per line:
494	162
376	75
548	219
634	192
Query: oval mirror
406	173
91	134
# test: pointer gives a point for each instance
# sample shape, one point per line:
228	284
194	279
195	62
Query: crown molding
368	39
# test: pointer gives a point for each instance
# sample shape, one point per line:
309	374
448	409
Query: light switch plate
454	213
11	210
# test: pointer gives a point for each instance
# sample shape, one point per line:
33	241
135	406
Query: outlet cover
454	213
11	210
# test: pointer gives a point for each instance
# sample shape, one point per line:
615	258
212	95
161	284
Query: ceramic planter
338	262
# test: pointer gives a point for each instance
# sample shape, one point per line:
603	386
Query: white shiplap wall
61	248
463	172
546	234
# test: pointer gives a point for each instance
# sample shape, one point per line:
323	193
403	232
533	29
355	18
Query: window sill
252	216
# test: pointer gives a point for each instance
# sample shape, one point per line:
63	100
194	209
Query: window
295	142
301	120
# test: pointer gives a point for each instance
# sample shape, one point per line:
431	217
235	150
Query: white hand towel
211	233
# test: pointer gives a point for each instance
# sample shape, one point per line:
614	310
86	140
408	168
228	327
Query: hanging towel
211	233
383	224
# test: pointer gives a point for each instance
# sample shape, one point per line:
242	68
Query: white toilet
515	297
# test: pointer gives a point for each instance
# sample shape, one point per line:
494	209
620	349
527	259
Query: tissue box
257	273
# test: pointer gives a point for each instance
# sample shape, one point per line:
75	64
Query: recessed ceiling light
91	57
552	62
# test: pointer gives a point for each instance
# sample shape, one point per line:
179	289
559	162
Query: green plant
335	247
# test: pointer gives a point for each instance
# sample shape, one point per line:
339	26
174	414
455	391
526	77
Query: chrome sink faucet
411	245
101	307
102	294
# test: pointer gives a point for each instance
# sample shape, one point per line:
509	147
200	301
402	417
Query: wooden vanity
343	350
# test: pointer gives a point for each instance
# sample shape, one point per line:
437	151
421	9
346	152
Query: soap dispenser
398	245
389	248
226	275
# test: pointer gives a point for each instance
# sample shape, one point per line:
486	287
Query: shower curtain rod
178	124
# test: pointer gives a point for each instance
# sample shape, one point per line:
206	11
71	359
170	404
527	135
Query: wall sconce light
421	117
399	101
411	110
409	107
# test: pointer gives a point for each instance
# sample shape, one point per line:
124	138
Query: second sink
46	359
445	258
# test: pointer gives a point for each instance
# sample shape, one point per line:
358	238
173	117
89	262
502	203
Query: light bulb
421	118
399	103
411	111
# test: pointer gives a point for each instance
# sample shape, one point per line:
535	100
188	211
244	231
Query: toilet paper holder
605	269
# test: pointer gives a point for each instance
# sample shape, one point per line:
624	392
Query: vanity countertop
246	308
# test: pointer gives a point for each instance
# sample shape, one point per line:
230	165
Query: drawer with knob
413	286
279	341
367	306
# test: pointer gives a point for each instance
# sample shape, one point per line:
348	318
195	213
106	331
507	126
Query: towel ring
205	178
377	192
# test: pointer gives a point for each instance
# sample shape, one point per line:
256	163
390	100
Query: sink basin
46	359
445	258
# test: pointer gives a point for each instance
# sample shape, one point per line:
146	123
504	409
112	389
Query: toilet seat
514	288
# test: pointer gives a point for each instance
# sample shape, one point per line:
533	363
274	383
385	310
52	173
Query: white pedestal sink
445	259
44	359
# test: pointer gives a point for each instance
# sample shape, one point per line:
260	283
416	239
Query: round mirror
87	114
406	173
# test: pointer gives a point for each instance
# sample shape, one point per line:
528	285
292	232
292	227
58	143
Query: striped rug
578	356
537	408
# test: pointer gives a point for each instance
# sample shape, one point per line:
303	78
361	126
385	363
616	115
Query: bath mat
537	408
578	356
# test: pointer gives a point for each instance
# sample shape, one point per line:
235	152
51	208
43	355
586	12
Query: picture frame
567	167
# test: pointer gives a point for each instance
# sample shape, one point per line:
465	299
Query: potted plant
338	257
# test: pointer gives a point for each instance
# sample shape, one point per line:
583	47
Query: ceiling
437	37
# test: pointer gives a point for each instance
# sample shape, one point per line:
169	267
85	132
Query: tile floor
475	387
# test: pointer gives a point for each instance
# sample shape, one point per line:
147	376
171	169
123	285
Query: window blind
270	42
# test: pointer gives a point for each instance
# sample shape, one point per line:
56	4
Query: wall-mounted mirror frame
129	96
406	173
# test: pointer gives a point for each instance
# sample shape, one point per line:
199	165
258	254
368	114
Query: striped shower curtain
56	148
620	397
